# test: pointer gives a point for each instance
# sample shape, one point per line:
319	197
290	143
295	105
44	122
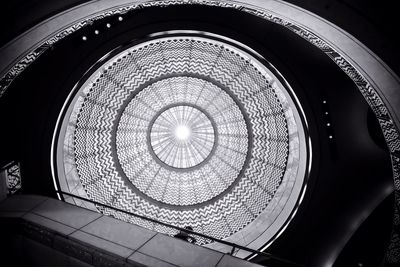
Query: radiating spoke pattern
182	136
186	130
175	133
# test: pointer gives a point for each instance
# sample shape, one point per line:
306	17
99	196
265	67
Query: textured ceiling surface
185	172
186	130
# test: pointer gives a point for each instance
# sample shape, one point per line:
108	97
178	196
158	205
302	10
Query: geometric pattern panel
185	130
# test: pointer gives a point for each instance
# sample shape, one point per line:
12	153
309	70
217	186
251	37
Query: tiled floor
79	237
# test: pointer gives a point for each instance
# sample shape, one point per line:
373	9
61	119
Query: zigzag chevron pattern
239	179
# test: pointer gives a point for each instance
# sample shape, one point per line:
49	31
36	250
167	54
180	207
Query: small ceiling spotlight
96	32
84	38
108	25
120	18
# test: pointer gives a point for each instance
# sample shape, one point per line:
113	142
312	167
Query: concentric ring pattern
183	172
186	130
182	136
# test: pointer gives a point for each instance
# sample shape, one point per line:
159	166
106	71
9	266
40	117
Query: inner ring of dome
182	136
146	172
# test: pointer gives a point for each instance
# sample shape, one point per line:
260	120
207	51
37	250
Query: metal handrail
233	245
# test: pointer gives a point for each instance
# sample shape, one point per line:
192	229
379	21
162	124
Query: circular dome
182	136
189	131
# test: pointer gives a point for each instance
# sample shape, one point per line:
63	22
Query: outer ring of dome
286	199
204	161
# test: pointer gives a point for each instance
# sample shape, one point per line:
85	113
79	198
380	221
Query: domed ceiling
181	124
189	131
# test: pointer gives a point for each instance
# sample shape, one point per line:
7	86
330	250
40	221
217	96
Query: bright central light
182	132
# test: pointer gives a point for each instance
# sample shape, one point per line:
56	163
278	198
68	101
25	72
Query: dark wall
18	16
374	23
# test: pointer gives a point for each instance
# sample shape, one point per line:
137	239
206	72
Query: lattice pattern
132	96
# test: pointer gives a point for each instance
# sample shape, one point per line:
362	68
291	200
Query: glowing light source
182	132
182	136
